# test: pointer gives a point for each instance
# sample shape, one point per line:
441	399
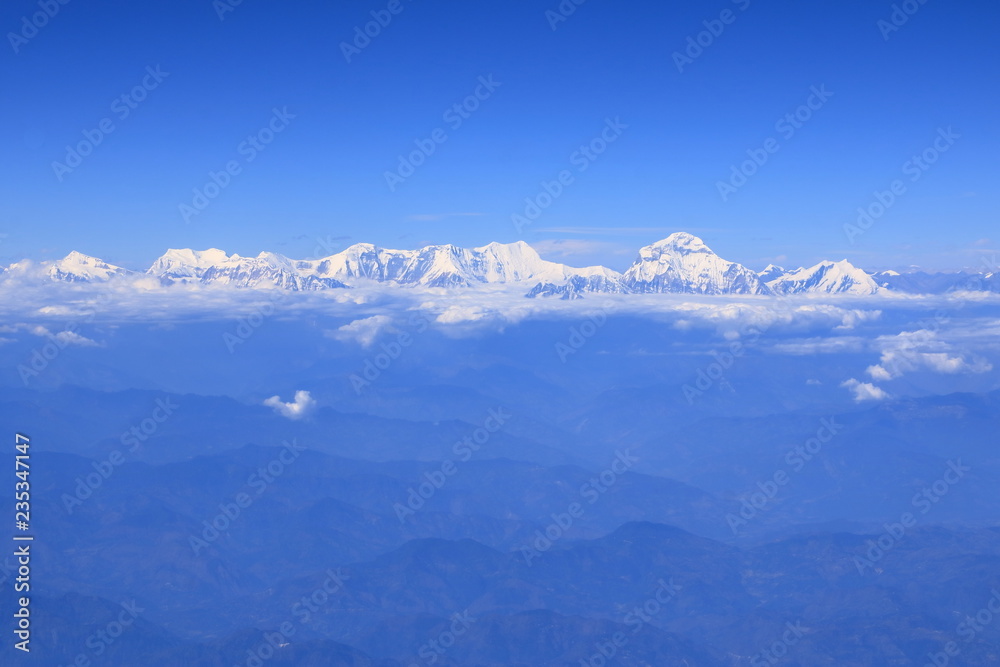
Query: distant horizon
619	262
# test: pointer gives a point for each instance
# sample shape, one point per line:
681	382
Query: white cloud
852	318
72	338
865	391
459	314
911	351
943	363
363	331
65	337
791	322
878	373
299	408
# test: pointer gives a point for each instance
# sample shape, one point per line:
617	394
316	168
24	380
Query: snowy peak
439	265
508	262
771	272
683	263
680	243
215	267
199	258
825	278
186	265
79	268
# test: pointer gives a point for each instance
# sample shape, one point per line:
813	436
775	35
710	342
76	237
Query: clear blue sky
323	175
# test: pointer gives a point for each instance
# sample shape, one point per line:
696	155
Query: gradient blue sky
322	178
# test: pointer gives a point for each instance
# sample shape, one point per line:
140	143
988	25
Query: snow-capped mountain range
680	263
683	263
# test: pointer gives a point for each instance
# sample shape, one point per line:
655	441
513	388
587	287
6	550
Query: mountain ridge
679	264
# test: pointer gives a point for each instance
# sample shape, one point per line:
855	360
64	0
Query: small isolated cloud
853	318
299	408
65	338
363	331
982	243
865	391
458	314
55	311
878	373
812	382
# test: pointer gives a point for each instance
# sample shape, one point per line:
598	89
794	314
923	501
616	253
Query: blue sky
321	182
